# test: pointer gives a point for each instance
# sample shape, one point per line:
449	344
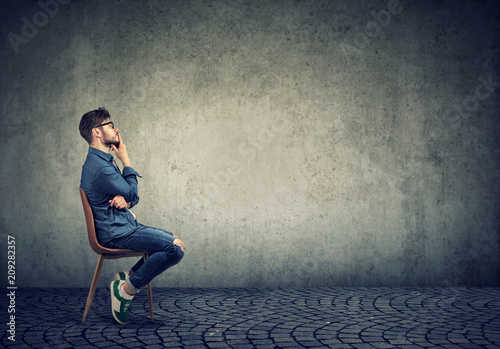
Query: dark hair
91	120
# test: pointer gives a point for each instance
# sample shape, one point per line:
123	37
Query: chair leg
93	286
150	294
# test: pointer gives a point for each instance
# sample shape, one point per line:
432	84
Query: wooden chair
106	253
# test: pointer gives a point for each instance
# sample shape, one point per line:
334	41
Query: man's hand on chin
121	152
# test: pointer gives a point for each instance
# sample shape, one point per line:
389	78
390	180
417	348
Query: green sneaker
119	305
122	275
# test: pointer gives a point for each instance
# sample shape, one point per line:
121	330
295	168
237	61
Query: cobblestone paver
255	318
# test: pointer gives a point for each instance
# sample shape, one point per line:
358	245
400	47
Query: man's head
97	124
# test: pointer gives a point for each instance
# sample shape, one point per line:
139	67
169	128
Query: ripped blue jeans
159	244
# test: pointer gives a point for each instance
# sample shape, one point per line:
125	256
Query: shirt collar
100	153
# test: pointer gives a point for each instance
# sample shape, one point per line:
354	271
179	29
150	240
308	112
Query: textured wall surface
288	143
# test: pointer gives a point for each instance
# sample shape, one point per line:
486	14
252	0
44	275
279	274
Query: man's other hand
118	202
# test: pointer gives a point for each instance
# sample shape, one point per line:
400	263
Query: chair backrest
89	218
94	243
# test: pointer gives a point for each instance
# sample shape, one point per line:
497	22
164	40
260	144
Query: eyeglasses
107	123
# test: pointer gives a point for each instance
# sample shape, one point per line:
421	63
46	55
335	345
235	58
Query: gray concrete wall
288	143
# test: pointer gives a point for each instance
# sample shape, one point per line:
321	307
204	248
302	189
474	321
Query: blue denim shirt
102	181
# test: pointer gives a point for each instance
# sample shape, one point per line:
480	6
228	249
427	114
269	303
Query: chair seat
110	251
122	253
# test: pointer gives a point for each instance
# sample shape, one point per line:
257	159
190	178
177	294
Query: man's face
110	133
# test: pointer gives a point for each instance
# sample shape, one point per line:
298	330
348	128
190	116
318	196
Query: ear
96	133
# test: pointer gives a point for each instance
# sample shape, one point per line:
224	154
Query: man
111	194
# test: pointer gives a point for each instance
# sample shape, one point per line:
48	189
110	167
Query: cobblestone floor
256	318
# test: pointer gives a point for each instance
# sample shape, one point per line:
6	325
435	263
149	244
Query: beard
108	142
